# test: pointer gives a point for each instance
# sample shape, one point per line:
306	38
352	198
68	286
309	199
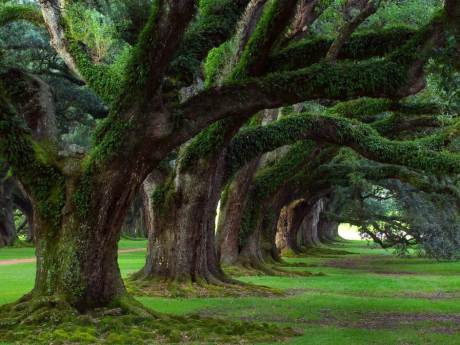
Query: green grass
7	253
369	297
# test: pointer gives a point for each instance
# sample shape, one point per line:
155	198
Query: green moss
33	162
215	62
205	144
11	12
215	23
270	26
164	194
109	136
362	108
95	327
361	46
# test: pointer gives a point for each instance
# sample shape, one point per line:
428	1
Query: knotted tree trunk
181	239
289	225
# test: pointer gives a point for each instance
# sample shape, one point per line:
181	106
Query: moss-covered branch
383	78
273	22
339	174
10	13
156	47
215	24
361	46
33	162
417	154
270	25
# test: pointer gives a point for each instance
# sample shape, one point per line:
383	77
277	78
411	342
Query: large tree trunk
181	241
259	247
289	225
7	228
77	259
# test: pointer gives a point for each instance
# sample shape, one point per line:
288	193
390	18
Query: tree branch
340	131
350	26
215	24
11	13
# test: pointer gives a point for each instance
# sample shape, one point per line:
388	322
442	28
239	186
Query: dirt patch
438	295
442	323
32	260
365	263
435	323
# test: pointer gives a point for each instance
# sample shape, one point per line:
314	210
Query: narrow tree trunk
328	230
231	211
134	224
22	202
7	228
309	228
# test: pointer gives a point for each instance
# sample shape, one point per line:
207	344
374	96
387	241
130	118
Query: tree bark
328	230
181	240
134	224
22	202
289	225
7	228
259	248
309	228
231	211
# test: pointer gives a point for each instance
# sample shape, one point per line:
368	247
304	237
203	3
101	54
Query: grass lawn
368	297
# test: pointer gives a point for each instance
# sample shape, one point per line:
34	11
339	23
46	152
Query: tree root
273	269
159	287
51	320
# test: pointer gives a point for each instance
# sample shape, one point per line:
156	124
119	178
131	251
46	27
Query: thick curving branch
360	46
391	77
216	22
340	131
11	13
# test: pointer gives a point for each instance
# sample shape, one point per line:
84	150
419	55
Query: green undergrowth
112	327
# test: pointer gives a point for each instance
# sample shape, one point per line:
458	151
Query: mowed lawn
365	297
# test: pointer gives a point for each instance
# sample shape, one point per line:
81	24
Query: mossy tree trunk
77	217
76	265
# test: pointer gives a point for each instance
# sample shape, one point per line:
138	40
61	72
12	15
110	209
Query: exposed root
50	320
168	288
257	269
